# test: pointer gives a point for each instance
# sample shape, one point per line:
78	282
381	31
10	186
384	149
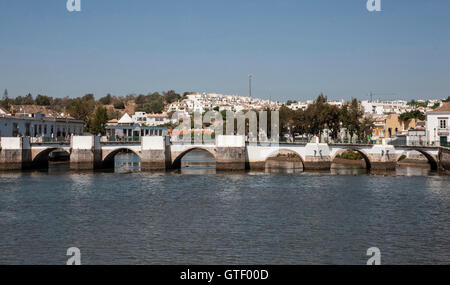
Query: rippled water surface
239	218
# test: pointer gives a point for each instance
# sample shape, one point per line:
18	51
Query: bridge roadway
230	152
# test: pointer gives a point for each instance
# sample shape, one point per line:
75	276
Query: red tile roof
444	108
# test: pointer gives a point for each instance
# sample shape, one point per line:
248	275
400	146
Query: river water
195	216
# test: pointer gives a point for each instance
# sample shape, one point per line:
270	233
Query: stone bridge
230	152
319	156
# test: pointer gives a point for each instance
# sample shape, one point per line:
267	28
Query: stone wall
230	158
444	160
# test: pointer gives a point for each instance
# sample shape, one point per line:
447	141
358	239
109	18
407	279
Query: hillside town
421	122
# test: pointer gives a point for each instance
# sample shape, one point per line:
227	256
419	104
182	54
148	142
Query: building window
443	124
15	130
27	129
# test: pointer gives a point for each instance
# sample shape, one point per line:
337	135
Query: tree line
320	116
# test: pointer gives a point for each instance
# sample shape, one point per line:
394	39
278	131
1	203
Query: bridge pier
86	153
230	153
154	155
15	153
317	157
382	157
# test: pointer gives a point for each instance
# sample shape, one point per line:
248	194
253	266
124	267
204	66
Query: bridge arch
362	152
431	159
274	153
287	151
108	156
178	157
40	158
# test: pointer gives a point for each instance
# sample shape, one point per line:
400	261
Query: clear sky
294	49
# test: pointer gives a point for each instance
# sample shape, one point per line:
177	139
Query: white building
37	125
437	125
338	103
304	105
298	106
131	129
385	107
138	117
142	118
201	102
158	119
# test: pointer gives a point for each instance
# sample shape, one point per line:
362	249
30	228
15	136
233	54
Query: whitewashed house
437	125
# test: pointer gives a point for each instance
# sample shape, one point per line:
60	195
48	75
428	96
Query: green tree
99	120
28	99
141	99
316	115
333	122
365	128
82	109
42	100
286	120
107	100
351	116
299	122
416	114
119	105
171	96
5	102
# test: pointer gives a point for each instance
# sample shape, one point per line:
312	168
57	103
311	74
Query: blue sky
294	49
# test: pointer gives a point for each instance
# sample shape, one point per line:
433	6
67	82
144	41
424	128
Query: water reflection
198	162
346	169
127	163
58	167
413	171
278	165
